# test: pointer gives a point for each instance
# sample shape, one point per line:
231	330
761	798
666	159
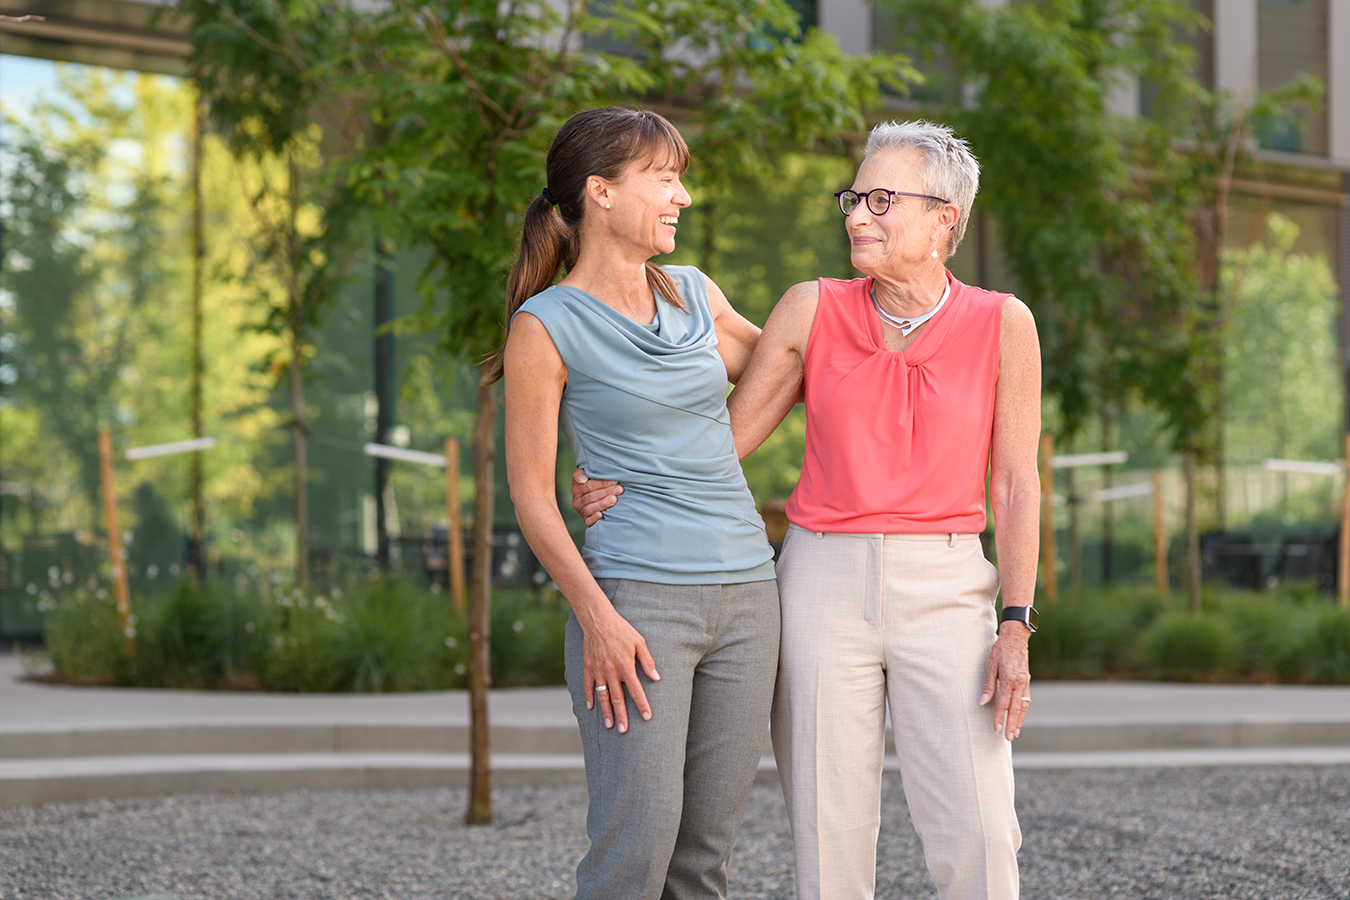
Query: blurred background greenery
96	199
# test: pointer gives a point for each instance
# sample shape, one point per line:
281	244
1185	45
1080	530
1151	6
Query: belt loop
951	541
820	535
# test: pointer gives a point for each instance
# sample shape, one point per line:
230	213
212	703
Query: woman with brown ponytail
633	360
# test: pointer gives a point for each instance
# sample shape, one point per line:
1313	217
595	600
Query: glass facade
1292	42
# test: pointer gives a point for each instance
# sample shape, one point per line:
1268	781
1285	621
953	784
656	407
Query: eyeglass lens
878	201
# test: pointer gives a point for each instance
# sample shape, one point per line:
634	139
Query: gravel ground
1230	833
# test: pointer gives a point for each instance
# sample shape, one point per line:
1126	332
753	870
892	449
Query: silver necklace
908	325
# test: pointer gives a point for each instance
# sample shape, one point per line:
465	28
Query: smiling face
644	205
902	240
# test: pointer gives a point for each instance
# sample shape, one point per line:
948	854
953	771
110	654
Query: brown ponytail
594	142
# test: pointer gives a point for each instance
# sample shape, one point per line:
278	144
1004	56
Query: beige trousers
909	619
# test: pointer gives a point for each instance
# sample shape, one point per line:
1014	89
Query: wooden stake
1343	572
1159	533
119	570
1193	582
1048	519
454	546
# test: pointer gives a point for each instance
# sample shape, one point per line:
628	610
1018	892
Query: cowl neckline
673	332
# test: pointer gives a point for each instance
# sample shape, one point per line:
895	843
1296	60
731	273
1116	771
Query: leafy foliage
1287	635
1094	211
1280	357
377	636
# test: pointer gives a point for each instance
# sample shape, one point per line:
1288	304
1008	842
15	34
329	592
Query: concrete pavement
61	743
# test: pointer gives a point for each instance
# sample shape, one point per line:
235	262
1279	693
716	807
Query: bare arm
535	378
1015	496
773	380
736	335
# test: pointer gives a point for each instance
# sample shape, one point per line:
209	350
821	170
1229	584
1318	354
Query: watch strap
1027	615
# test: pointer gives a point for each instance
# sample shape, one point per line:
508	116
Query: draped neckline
672	333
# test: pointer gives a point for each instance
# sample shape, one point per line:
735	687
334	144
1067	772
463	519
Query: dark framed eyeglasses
878	200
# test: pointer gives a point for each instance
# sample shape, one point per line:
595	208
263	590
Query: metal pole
1343	569
384	378
119	569
1048	519
1343	577
1159	533
454	533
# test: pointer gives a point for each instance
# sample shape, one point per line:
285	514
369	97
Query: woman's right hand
611	652
591	497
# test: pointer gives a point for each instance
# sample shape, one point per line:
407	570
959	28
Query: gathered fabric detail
897	441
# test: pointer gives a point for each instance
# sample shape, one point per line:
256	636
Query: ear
597	189
950	216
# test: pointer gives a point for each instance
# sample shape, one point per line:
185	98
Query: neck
618	283
911	296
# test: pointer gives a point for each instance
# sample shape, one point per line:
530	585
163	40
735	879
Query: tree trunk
480	609
384	394
301	471
298	427
1192	535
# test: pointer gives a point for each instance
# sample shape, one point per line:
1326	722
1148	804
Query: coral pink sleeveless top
897	443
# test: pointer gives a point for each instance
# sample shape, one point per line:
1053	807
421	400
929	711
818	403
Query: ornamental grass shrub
380	635
393	635
1181	646
1291	634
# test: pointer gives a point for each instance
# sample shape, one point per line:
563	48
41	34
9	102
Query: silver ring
602	687
1026	699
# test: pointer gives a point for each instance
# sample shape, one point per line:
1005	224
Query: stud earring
606	206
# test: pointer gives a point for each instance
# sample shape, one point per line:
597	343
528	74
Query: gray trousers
667	798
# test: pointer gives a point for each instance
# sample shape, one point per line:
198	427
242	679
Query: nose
682	199
861	215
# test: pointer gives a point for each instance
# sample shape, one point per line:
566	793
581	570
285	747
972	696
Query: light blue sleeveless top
647	406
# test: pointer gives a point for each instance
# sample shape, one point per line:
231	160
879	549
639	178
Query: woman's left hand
1007	679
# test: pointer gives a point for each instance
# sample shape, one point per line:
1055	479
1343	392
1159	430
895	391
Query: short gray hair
948	170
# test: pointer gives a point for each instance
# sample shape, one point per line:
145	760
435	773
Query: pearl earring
934	253
606	206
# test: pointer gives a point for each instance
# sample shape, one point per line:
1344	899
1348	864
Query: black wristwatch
1027	615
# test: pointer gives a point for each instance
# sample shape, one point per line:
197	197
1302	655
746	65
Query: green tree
1112	225
87	267
1280	351
269	71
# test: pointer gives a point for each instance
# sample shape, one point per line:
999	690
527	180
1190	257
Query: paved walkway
68	743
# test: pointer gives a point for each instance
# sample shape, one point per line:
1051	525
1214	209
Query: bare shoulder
716	299
803	294
790	322
1017	326
529	347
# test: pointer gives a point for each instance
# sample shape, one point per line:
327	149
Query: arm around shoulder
736	335
773	381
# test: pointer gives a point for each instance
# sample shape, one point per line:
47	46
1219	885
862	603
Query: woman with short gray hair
915	385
